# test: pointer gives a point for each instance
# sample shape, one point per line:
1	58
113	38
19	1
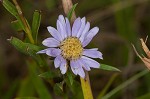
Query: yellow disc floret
71	48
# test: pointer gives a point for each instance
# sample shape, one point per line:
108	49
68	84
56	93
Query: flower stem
24	21
86	88
85	83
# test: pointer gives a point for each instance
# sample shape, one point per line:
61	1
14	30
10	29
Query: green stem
86	88
123	85
85	83
27	27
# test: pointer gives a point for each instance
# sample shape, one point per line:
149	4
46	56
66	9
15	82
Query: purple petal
82	27
61	29
42	51
85	31
76	26
54	33
94	49
53	52
90	62
90	36
57	61
51	42
84	65
92	53
62	20
76	68
68	28
63	66
73	65
81	72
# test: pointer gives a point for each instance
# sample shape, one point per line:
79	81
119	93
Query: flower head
67	45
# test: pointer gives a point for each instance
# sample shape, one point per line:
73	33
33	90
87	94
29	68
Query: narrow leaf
36	24
58	89
10	7
28	49
70	77
49	75
71	11
25	48
108	67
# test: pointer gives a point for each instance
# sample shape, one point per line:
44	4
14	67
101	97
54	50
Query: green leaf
58	89
36	24
25	48
10	7
70	77
71	11
17	25
108	67
49	75
28	49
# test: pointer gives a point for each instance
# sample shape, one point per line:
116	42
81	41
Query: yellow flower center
71	48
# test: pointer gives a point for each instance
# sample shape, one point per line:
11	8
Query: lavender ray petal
90	36
61	29
81	72
68	27
54	33
82	27
42	51
94	49
74	70
76	26
51	42
62	20
86	42
84	65
57	61
92	53
63	66
85	31
92	63
53	52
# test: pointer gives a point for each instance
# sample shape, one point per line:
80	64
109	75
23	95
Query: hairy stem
85	83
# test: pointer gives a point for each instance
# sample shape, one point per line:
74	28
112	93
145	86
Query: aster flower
67	45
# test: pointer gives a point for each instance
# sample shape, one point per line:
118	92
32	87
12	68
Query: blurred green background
121	23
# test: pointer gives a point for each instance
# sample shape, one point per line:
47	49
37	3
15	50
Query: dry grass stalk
146	60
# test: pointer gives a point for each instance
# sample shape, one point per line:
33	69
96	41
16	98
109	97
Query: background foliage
121	23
